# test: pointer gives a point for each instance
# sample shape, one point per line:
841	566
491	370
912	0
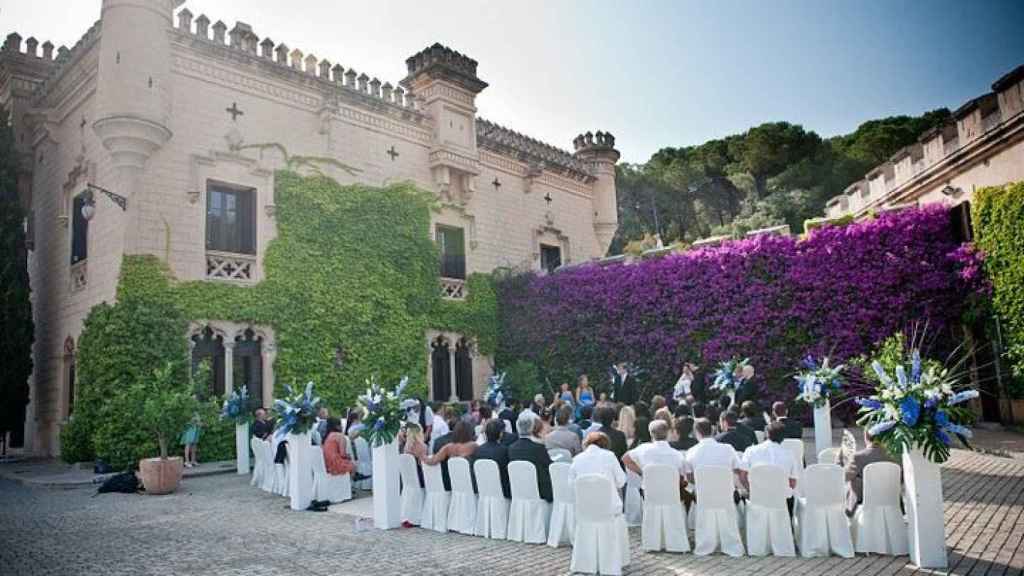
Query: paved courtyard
219	525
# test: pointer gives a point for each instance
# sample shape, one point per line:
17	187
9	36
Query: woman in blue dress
584	395
566	395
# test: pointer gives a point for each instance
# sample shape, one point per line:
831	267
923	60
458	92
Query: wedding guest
530	448
627	424
794	429
698	410
190	439
657	403
354	423
462	444
493	449
486	416
414	444
684	434
336	457
320	428
441	441
262	427
584	395
771	452
603	418
731	435
855	470
752	417
585	421
624	384
710	452
561	436
566	395
657	451
597	458
418	412
640	427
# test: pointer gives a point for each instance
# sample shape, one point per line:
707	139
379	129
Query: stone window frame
229	331
475	358
551	236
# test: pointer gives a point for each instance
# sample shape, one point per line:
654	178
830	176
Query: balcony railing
79	276
453	289
227	266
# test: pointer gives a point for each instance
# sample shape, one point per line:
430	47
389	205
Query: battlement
439	61
594	141
242	40
47	63
499	139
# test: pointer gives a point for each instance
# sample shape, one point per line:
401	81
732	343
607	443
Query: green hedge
998	215
353	266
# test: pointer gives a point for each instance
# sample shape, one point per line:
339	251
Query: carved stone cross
548	198
496	183
234	111
393	153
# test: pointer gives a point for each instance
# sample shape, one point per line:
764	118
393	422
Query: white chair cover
878	525
716	520
412	492
364	461
796	449
634	502
821	520
436	503
560	455
563	507
601	540
329	487
280	486
529	515
769	527
759	434
259	468
664	524
462	510
829	456
492	506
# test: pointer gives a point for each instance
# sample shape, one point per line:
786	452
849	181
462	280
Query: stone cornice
491	136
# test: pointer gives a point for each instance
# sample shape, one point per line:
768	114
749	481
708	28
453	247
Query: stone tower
599	153
133	94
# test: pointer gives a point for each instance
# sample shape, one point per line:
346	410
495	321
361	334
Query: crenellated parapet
533	152
593	143
440	62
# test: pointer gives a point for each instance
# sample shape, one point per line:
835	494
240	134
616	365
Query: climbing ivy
352	266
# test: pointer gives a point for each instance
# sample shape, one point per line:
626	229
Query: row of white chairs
273	477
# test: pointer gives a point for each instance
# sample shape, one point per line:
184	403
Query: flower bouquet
496	391
384	411
818	383
237	406
920	409
296	413
731	373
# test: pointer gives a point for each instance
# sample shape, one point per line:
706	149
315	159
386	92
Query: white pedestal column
822	427
386	496
242	447
926	532
300	471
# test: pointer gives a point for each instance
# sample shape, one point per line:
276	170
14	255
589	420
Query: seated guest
596	458
493	449
336	456
731	435
794	429
752	417
486	415
320	431
627	424
855	470
530	448
643	421
462	444
603	419
698	410
561	436
710	452
354	424
743	428
657	403
684	434
771	452
262	427
585	422
665	415
440	442
414	444
657	451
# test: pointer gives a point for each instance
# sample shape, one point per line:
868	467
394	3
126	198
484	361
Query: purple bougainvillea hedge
773	299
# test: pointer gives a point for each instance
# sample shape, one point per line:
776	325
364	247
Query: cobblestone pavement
219	525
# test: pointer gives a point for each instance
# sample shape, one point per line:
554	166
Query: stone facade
982	146
154	105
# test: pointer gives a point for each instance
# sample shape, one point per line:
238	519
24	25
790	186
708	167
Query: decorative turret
598	151
438	62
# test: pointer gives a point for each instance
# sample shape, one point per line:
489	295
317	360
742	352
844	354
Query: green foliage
15	308
523	380
998	215
168	403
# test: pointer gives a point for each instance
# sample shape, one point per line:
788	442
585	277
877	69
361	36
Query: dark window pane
79	232
550	257
453	252
230	220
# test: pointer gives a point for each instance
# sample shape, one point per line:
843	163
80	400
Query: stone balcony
453	289
230	266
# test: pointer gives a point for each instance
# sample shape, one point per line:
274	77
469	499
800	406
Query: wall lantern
89	201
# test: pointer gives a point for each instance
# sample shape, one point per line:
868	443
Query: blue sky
654	72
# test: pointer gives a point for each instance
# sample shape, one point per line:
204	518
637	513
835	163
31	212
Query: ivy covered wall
353	266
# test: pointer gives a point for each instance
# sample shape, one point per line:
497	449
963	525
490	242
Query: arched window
247	363
209	346
441	365
464	370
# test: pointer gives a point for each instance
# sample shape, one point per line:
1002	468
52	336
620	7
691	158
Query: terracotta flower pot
161	476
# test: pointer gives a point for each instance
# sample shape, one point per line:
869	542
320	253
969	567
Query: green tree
15	308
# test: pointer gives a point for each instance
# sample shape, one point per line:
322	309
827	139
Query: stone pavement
57	474
219	525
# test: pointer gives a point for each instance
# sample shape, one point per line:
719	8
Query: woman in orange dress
336	456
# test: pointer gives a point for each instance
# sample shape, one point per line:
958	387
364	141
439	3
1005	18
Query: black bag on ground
125	482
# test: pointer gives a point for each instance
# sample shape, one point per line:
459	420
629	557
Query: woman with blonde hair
627	423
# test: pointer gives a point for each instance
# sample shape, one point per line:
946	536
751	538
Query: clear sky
653	72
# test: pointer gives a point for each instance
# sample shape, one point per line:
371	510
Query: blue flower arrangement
731	373
917	407
296	412
237	406
817	383
496	391
384	411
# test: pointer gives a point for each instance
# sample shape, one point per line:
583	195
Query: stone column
229	366
268	353
453	394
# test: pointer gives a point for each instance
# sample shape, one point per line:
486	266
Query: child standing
189	439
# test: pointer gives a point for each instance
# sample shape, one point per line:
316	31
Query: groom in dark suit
624	388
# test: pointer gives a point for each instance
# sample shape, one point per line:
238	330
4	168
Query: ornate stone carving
453	289
225	266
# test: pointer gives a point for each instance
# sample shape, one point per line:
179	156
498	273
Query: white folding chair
462	510
601	541
364	462
715	518
529	515
329	487
492	506
560	455
259	469
563	507
634	503
828	456
664	524
769	527
878	525
436	503
412	492
821	520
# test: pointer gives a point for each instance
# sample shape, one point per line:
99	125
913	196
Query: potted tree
167	403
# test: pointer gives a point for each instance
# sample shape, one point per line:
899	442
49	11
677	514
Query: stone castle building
144	138
982	146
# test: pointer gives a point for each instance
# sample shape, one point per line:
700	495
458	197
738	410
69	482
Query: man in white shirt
597	458
771	452
657	451
710	452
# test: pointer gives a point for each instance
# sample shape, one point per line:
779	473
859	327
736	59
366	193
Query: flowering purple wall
771	299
